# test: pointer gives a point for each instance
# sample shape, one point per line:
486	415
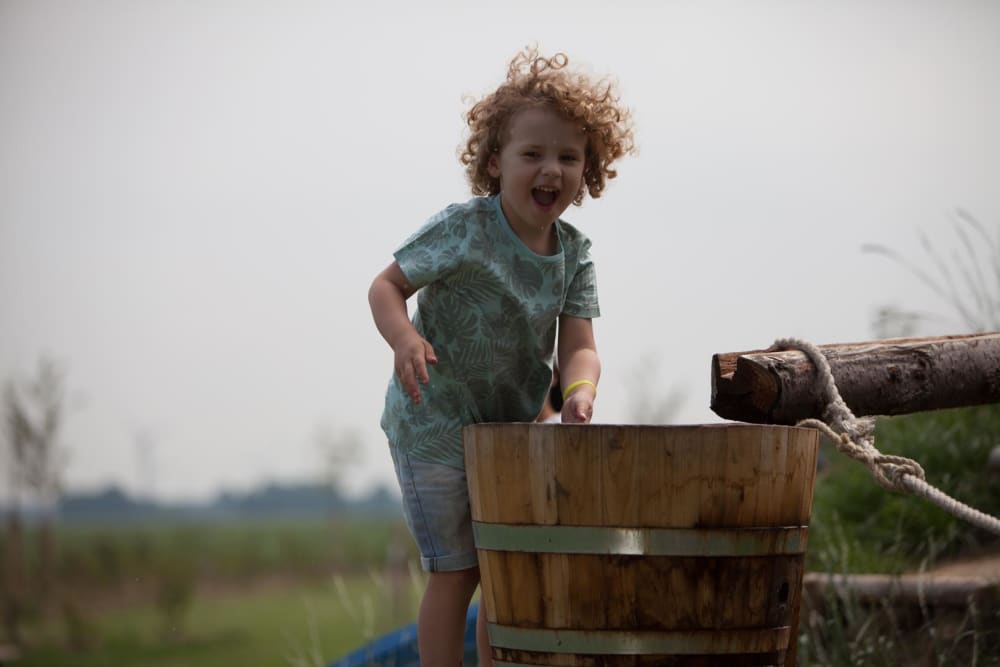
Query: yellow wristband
576	384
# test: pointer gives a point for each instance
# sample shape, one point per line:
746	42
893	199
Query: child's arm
387	297
579	368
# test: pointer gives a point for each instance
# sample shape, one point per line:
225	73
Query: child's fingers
420	374
420	370
429	353
411	367
577	411
420	363
407	378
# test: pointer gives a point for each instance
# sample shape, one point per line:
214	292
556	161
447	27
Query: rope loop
887	469
855	437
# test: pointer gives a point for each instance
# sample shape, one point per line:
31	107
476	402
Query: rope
855	437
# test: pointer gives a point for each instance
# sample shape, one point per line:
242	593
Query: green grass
110	554
297	625
331	594
857	526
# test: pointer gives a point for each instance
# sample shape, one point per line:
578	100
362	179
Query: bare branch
33	415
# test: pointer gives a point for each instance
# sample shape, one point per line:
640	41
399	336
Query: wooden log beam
885	377
903	607
907	589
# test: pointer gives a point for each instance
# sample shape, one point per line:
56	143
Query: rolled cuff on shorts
436	510
465	561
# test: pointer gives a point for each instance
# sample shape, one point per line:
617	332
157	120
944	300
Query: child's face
540	168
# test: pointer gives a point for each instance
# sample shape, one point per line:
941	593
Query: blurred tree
340	450
32	420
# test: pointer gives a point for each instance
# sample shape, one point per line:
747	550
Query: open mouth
544	196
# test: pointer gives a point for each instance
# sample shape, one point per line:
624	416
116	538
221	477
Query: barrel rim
636	427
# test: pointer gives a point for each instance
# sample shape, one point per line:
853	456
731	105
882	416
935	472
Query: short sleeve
581	297
435	250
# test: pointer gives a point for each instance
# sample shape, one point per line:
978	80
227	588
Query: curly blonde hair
534	81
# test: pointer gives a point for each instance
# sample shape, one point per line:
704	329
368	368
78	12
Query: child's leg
436	509
482	637
441	624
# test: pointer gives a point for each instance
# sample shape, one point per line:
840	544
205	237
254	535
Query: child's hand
413	353
578	407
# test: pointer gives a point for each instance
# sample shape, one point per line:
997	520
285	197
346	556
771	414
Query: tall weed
965	275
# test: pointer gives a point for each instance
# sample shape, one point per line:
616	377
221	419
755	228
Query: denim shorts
436	509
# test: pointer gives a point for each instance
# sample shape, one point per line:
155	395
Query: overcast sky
195	196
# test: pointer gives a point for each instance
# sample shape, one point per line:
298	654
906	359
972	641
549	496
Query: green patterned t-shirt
489	306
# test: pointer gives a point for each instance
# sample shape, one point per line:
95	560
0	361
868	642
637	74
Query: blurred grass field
296	592
277	623
114	553
303	592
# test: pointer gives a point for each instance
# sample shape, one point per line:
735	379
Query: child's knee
465	580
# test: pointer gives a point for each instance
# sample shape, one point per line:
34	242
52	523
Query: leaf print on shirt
458	228
421	264
557	290
448	255
515	376
544	316
439	434
455	396
478	286
509	355
436	236
526	278
483	244
475	359
510	312
547	342
554	275
482	392
463	330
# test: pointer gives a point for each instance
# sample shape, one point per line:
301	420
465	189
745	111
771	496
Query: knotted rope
855	437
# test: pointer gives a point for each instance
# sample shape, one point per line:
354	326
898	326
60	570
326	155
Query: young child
495	275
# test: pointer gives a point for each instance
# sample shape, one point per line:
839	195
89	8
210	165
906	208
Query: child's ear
493	166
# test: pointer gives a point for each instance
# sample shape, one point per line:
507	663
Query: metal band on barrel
624	642
641	541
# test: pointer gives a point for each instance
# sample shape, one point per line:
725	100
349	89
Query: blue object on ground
399	648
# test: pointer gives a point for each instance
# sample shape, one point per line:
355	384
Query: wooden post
884	377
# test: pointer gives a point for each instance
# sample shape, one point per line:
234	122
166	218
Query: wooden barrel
606	545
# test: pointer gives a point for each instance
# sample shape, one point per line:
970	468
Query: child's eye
531	153
571	158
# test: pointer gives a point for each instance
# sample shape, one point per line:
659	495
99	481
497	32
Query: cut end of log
741	391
